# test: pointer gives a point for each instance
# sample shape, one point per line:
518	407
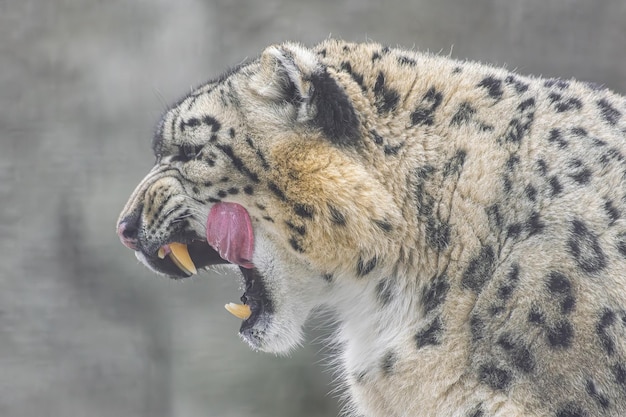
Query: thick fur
467	224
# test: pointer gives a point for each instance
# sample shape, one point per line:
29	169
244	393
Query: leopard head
269	168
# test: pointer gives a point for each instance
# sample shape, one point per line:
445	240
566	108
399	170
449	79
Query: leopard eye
187	152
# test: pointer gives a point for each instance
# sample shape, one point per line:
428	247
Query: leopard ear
285	75
294	75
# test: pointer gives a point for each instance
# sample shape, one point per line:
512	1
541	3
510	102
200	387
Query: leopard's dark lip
259	301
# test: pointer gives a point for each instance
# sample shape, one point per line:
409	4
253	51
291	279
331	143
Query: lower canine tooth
180	256
241	311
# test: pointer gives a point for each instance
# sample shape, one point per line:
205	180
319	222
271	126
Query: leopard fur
467	224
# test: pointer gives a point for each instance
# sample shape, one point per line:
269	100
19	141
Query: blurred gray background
87	331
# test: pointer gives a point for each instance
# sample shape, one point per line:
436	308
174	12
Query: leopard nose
127	232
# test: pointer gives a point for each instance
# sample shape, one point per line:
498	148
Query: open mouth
182	260
229	239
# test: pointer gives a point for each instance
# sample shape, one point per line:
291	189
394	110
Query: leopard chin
282	291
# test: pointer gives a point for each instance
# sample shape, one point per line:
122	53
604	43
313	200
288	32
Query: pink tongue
229	232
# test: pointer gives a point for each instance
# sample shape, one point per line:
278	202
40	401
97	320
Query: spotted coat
466	223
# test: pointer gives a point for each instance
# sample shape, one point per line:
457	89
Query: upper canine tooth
180	256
